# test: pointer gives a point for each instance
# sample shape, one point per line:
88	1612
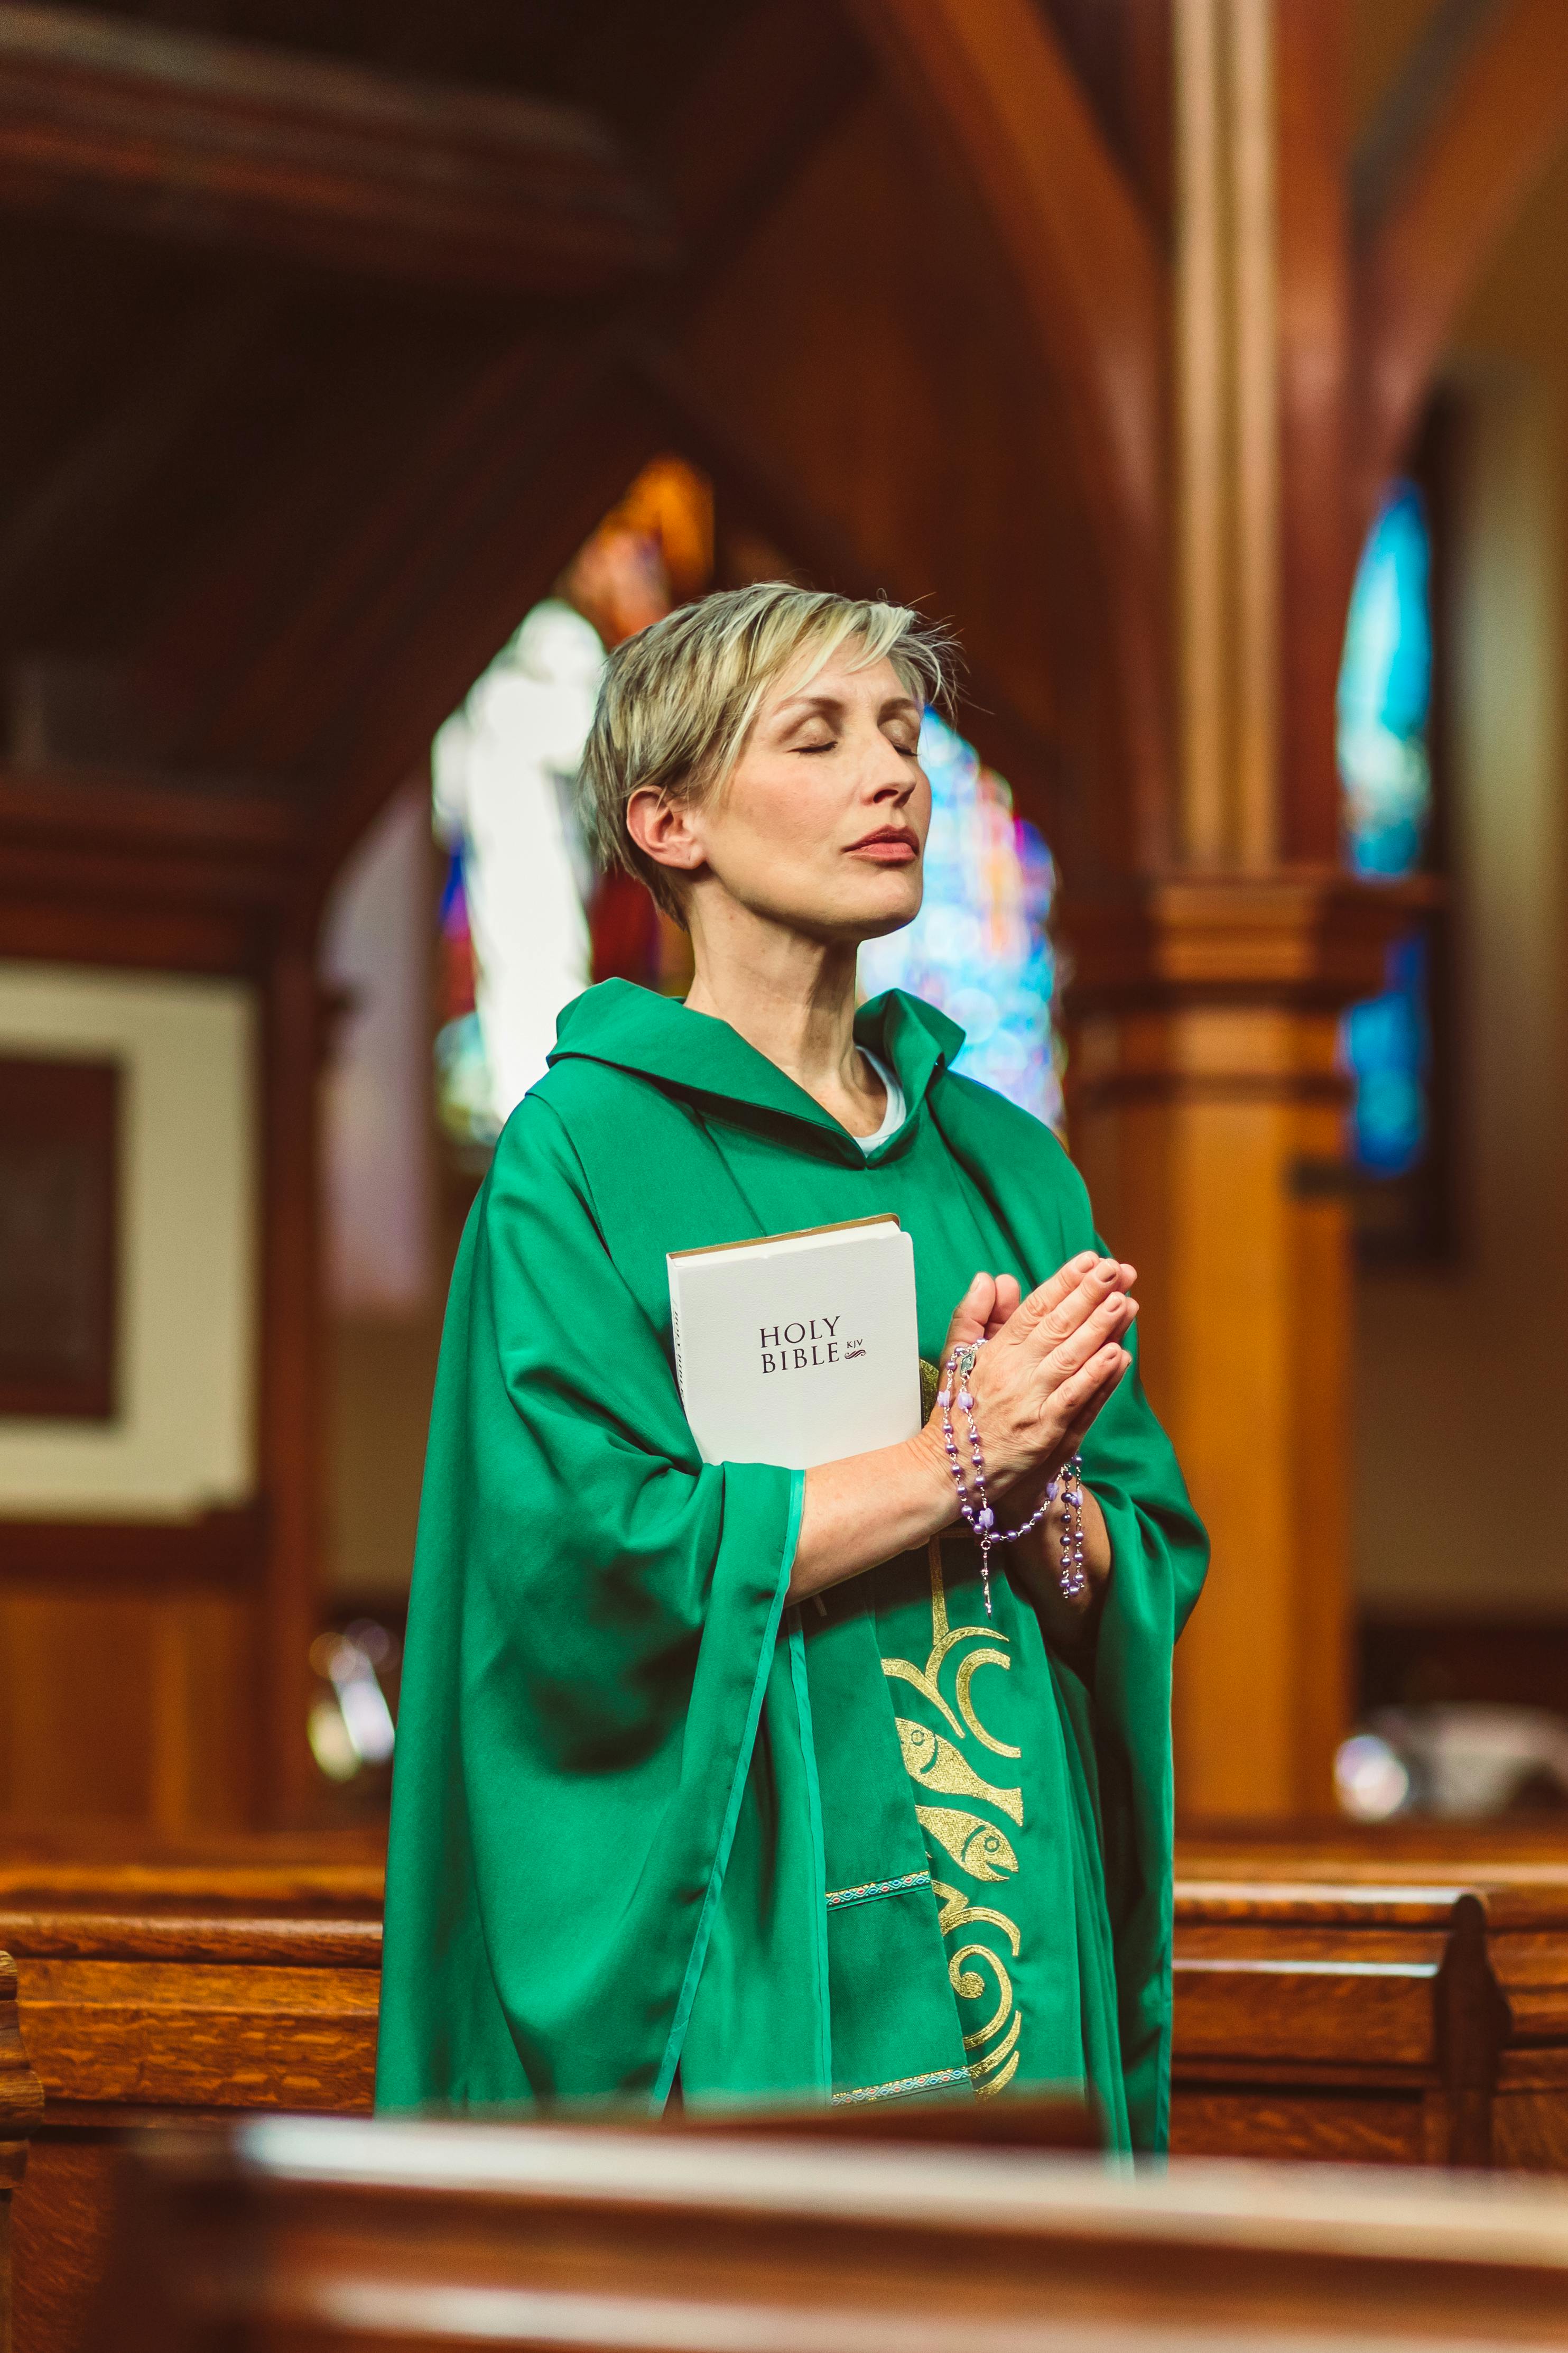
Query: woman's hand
1068	1621
1053	1361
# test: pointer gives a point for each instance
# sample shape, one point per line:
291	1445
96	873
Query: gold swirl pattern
980	1848
971	1985
966	1668
980	2068
957	1912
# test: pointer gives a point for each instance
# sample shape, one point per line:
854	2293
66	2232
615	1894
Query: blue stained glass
980	947
1385	692
1389	1046
1384	699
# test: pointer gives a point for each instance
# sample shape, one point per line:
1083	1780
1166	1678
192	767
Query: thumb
971	1316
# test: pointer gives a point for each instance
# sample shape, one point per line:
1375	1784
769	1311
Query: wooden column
1207	1113
1207	1105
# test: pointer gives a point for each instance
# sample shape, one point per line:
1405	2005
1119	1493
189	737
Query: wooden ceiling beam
48	540
990	80
225	144
283	689
524	511
1503	118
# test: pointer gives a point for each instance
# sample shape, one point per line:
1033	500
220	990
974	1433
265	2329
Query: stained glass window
525	919
980	947
1384	698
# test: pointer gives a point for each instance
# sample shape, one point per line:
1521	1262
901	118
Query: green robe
645	1816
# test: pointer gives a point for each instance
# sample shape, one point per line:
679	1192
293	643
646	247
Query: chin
863	906
877	927
888	898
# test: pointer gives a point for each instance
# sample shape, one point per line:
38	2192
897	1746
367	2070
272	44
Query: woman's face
822	824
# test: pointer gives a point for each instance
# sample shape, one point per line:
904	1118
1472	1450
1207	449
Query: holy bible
799	1348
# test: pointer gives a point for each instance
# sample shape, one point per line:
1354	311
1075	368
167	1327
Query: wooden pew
177	1988
1333	1999
153	1987
21	2106
316	2233
1384	2000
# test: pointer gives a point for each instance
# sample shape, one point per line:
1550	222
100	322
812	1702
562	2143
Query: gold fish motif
936	1764
976	1846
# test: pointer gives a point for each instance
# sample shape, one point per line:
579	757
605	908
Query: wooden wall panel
127	1705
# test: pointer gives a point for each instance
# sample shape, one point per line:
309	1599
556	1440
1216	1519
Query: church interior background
373	370
311	566
313	556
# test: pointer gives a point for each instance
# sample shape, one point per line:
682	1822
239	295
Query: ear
663	829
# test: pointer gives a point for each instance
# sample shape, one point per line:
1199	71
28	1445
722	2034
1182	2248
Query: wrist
933	1479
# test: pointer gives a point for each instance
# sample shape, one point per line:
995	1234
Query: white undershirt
893	1117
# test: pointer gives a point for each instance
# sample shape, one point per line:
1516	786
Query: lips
891	844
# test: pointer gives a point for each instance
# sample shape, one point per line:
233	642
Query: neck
791	996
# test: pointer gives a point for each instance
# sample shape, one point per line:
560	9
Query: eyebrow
805	706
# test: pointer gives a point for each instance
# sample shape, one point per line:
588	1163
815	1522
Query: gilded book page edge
798	1234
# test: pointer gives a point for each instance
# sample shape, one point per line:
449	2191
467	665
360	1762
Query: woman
720	1776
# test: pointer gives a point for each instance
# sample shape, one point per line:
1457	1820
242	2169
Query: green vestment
645	1817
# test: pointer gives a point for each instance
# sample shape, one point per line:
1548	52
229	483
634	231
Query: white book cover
799	1348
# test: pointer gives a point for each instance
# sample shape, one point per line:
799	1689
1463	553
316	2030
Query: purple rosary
982	1523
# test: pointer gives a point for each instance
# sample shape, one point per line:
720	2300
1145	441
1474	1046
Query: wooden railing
320	2232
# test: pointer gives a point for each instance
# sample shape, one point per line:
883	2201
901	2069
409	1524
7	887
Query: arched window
1384	702
526	920
980	947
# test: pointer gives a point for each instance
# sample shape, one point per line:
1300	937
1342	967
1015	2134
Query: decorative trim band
874	1887
901	2088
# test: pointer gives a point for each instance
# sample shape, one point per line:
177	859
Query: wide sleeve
1159	1556
594	1617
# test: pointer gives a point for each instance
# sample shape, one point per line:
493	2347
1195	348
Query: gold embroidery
976	1846
936	1764
971	1985
907	1672
942	1638
980	1848
966	1705
993	2059
957	1912
997	2082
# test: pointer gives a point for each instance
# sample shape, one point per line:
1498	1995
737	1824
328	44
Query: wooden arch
1503	119
989	80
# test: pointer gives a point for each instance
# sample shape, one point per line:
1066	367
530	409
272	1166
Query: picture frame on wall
59	1150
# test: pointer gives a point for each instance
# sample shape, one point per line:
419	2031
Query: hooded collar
633	1029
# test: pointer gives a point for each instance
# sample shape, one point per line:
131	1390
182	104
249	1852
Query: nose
886	777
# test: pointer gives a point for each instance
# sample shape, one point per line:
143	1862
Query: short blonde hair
678	699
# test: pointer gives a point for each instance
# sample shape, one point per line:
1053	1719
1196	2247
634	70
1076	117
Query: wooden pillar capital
1303	939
